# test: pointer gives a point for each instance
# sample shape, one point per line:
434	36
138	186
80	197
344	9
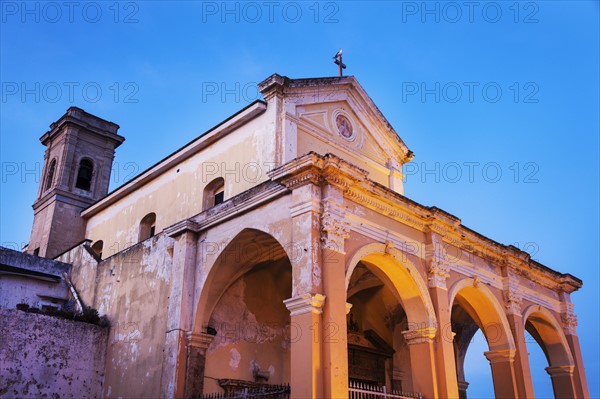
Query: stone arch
486	311
248	247
546	330
549	335
413	320
399	272
483	308
242	294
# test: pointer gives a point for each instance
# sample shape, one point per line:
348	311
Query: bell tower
76	173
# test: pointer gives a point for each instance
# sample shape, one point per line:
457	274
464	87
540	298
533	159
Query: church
277	249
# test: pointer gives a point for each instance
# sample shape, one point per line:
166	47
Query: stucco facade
311	268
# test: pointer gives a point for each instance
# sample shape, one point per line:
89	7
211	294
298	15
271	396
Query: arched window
84	175
50	175
214	193
147	226
97	248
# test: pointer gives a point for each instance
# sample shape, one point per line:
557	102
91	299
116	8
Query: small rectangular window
219	197
36	252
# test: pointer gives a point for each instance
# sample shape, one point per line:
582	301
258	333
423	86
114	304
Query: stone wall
44	356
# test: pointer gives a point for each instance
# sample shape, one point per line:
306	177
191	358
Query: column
422	360
503	373
305	339
515	319
562	381
197	344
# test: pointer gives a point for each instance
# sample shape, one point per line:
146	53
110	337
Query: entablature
355	185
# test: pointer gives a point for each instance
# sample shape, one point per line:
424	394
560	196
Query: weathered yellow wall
133	290
242	159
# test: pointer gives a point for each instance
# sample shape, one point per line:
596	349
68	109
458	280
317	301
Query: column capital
569	320
438	273
463	385
513	300
500	355
419	336
334	229
308	303
198	340
559	371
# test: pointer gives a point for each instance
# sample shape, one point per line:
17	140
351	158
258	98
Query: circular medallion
344	126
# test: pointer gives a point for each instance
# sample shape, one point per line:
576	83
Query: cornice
355	185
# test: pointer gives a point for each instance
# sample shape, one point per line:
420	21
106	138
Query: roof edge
189	149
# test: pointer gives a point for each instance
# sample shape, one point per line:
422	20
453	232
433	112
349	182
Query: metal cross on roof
337	59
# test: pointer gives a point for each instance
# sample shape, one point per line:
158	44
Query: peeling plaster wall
133	290
252	326
44	356
83	272
242	158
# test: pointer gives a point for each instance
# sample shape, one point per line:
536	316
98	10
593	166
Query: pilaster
196	344
513	301
569	323
306	338
422	354
180	310
438	272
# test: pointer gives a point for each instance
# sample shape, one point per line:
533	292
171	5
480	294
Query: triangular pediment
359	136
337	114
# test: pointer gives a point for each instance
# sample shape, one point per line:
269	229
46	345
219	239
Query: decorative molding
334	232
500	355
308	303
438	273
419	336
367	199
184	226
463	385
334	229
560	371
390	248
312	175
198	340
513	300
356	187
569	321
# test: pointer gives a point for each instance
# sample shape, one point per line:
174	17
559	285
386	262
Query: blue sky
498	100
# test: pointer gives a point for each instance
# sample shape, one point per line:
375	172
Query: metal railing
361	390
264	392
